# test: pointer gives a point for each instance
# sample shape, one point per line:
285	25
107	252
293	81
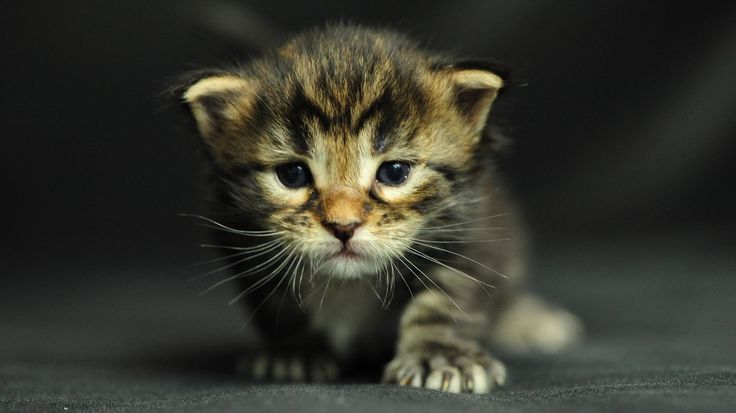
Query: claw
406	380
446	377
469	384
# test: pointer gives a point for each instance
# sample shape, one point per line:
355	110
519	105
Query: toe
477	379
447	379
296	369
323	370
410	376
259	367
497	372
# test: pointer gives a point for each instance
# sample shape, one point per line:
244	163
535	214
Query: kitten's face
348	154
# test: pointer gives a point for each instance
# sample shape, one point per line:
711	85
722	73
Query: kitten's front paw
476	373
295	368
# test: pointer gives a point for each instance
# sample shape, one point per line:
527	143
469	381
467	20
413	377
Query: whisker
229	247
463	229
263	280
245	273
238	232
286	289
469	222
389	294
438	262
393	267
438	287
233	264
243	251
375	292
293	275
314	289
255	310
457	241
462	256
403	261
388	291
301	276
483	285
324	293
218	225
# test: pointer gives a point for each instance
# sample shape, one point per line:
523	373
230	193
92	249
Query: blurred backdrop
621	114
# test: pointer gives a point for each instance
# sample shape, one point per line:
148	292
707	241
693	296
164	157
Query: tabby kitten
359	208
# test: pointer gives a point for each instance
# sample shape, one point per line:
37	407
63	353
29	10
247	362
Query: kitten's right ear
218	103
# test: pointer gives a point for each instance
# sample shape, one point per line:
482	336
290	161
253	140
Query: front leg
291	351
438	347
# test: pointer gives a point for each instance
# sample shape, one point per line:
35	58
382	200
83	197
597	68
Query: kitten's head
347	142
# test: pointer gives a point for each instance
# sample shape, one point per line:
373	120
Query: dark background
621	114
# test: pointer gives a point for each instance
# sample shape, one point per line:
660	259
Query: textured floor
659	315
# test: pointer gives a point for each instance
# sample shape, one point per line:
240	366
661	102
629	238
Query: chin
350	266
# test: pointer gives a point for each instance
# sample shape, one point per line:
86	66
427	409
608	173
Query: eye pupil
393	172
293	175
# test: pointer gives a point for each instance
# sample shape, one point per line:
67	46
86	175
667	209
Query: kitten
359	208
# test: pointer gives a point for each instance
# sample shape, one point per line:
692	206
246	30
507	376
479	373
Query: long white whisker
229	229
453	269
463	229
463	256
244	233
389	294
375	292
426	287
429	258
393	267
294	264
458	241
468	222
233	264
245	273
301	276
231	247
255	310
324	293
263	280
438	287
243	251
293	279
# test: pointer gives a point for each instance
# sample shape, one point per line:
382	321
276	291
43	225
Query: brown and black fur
444	251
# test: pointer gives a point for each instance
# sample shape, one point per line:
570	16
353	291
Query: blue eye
393	172
294	175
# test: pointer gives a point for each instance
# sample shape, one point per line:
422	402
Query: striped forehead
312	111
346	121
336	160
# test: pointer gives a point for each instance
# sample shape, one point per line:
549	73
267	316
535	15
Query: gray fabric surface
659	315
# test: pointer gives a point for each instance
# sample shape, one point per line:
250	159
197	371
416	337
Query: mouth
347	253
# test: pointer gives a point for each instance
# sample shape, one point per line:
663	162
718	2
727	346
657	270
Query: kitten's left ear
475	89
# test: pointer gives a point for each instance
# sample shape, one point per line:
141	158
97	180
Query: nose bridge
342	199
343	205
341	162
